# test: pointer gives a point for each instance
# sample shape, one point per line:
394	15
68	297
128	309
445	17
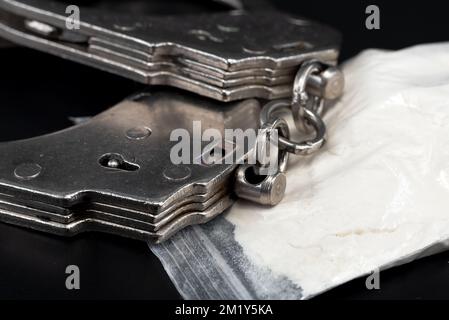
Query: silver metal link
306	110
281	126
252	183
301	99
306	147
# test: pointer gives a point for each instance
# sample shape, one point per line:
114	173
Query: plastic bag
376	196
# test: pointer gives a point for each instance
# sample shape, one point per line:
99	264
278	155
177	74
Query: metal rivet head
177	172
329	84
274	188
27	171
138	133
266	190
334	83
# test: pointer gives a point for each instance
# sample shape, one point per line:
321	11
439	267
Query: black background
39	92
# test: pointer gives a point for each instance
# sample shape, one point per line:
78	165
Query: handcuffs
233	70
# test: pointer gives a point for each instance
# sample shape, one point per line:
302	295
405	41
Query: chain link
306	110
302	100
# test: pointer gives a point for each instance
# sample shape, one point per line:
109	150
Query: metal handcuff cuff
114	173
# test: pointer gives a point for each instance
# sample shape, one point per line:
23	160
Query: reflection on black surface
32	266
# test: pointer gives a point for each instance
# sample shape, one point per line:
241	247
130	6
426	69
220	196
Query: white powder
378	193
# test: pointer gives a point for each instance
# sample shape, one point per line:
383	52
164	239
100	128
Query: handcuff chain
306	109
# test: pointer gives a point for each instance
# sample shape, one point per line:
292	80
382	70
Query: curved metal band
301	98
309	146
269	111
284	132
